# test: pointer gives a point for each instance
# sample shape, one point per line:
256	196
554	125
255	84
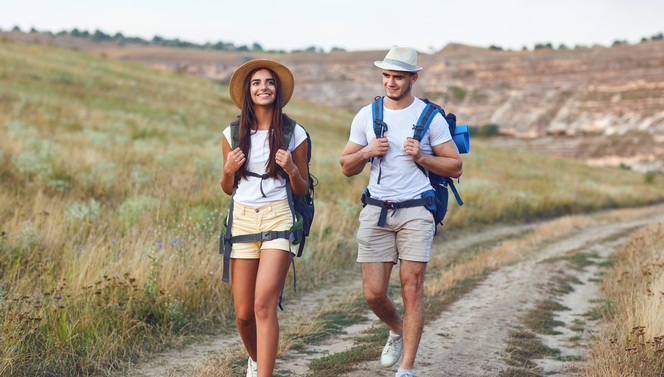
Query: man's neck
399	104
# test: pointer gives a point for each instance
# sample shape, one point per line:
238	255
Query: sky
427	25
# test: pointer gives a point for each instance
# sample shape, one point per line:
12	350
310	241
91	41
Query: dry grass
632	342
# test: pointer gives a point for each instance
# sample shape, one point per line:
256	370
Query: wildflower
59	297
37	298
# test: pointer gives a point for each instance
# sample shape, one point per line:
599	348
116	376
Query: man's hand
412	147
377	147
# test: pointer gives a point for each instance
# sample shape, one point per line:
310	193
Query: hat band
401	64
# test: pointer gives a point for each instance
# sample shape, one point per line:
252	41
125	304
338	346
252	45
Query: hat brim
236	85
393	67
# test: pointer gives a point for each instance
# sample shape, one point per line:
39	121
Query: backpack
435	200
301	208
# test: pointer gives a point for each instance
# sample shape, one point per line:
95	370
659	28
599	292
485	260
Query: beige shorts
247	220
407	235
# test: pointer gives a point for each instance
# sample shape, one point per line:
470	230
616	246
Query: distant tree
100	36
33	30
495	48
644	39
618	42
333	49
657	37
563	47
16	28
243	48
62	32
540	46
85	34
157	40
311	49
75	32
524	48
256	47
118	36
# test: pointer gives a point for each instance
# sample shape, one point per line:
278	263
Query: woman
260	88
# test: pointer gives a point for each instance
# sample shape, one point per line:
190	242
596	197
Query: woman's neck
263	117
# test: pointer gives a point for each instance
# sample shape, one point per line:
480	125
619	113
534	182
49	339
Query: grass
110	207
632	340
541	318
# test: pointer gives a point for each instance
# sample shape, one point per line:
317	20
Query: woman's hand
284	159
234	160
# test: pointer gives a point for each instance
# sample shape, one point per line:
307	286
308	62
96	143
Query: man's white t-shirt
249	189
400	178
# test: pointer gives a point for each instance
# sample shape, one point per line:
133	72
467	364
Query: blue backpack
435	200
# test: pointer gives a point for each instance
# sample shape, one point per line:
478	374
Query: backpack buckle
388	204
267	236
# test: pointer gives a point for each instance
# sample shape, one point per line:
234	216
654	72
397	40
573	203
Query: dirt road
471	337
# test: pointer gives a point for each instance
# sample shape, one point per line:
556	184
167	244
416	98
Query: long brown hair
248	120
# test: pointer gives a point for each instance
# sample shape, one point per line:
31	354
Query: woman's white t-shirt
249	189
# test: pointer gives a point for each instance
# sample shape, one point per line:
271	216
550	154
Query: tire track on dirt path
469	337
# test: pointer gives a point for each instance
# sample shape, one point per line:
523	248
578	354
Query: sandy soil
469	338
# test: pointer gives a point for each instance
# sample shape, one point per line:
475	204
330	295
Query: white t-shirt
400	178
249	189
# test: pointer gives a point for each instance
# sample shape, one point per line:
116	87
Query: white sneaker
252	368
392	351
403	373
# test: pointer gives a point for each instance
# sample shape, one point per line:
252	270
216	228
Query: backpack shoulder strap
377	109
425	119
288	132
235	133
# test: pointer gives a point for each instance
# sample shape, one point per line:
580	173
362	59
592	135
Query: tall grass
632	342
110	207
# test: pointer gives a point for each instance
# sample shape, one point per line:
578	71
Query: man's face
398	84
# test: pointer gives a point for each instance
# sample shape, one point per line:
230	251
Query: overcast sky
427	25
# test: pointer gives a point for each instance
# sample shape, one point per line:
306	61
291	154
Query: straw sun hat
236	84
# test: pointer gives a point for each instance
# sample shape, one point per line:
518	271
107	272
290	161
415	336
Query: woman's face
263	88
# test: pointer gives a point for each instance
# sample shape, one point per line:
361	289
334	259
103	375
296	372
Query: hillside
602	105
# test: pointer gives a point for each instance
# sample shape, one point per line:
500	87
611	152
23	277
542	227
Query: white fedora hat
399	59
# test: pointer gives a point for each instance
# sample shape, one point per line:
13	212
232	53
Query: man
395	178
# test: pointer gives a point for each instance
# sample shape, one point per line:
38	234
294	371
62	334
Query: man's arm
446	161
355	156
